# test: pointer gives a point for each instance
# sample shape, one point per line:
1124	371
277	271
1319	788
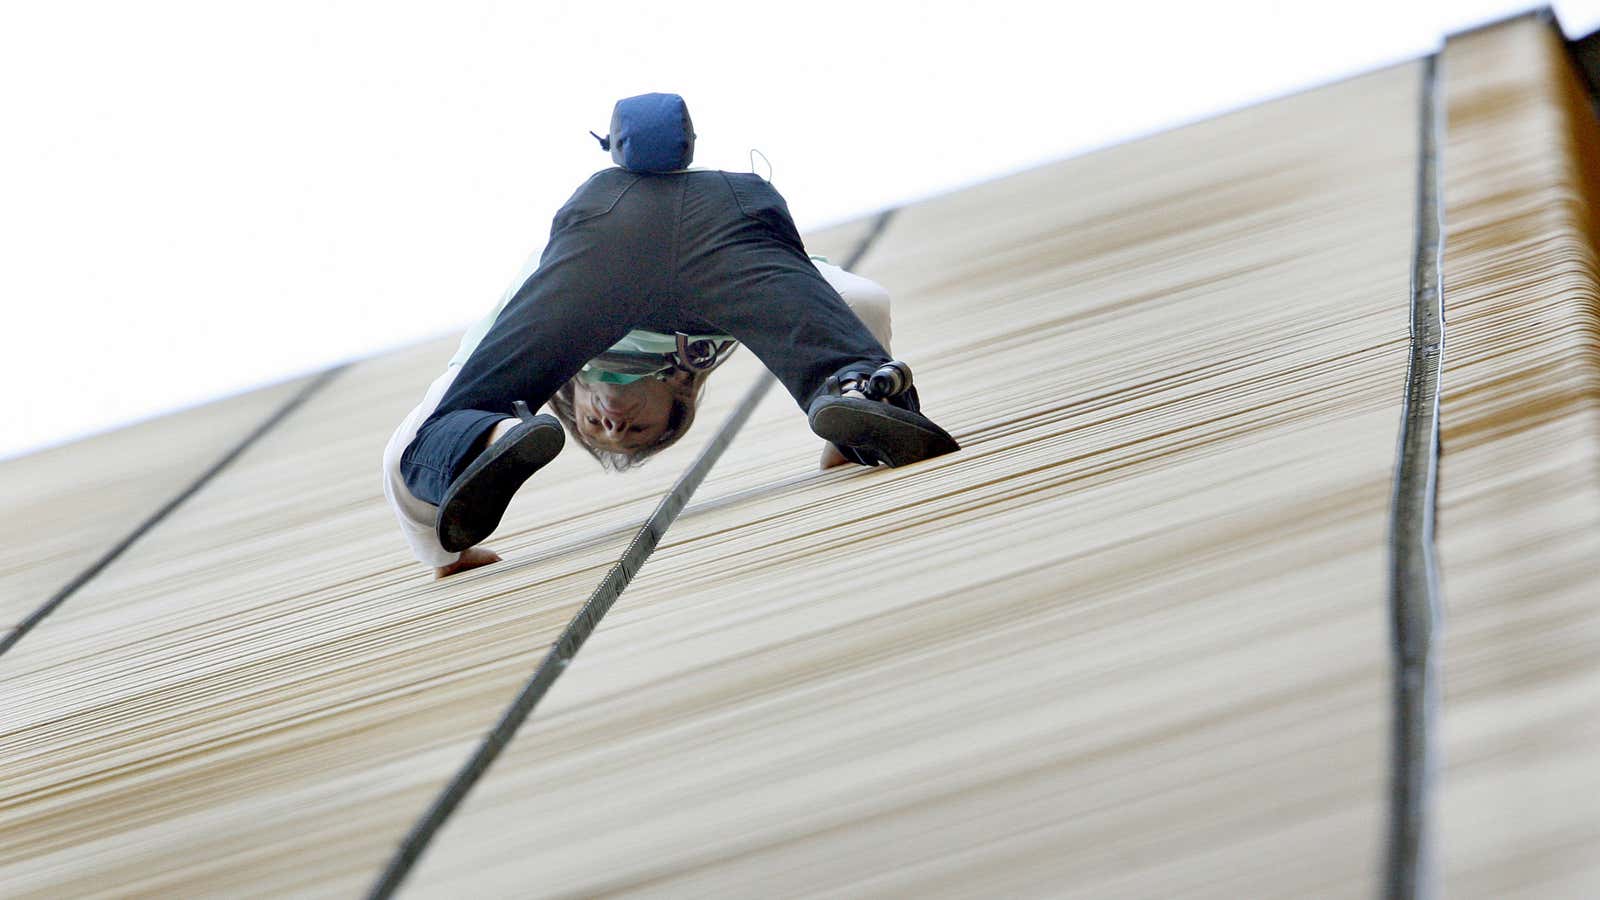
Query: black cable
110	556
1413	571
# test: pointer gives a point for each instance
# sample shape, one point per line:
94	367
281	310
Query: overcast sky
199	198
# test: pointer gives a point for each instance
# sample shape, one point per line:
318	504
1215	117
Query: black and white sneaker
478	497
875	433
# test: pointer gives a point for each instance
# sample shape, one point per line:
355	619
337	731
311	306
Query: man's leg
749	276
814	345
590	288
744	271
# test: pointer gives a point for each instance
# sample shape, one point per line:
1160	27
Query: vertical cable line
110	556
1413	572
583	624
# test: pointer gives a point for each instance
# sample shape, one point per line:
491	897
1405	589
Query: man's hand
471	558
831	457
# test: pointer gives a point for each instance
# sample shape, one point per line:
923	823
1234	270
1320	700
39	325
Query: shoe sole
477	499
886	434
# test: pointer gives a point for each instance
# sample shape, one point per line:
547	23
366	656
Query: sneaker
875	433
478	497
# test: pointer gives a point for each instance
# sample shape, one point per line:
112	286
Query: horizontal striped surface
66	506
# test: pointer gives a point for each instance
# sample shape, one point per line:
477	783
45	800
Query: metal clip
698	356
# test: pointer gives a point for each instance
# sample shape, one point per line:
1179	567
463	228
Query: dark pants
697	252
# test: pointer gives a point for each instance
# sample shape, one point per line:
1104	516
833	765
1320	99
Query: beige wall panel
262	696
67	506
1519	505
1130	642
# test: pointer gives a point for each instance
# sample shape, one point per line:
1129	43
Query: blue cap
651	133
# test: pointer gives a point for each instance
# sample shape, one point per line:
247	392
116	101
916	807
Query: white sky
199	198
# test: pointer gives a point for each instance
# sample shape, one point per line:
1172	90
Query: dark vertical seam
110	556
674	294
583	624
1414	599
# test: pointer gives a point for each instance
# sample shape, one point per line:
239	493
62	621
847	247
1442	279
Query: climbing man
653	273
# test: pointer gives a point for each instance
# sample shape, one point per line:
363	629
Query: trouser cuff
906	399
442	448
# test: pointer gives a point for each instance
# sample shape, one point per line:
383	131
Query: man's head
622	425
